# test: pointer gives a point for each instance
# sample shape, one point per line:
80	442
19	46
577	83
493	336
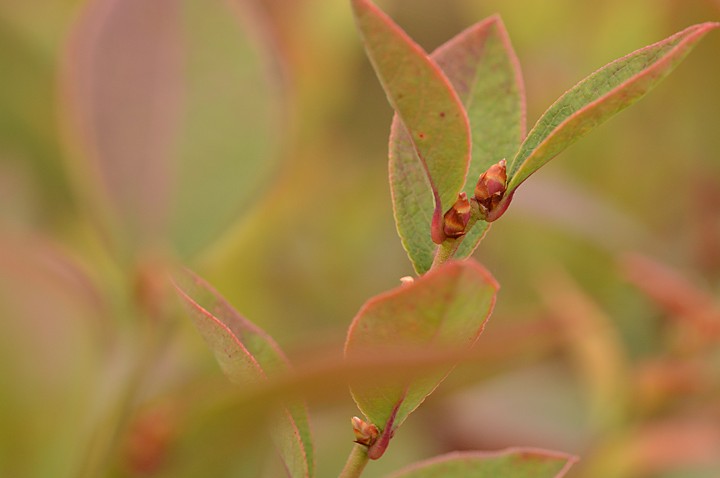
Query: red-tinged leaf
444	309
53	338
434	120
510	463
485	73
123	86
598	97
170	109
248	355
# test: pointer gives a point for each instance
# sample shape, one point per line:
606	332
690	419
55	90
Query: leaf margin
292	413
516	173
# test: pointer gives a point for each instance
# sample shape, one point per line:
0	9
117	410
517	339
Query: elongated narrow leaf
248	355
511	463
434	120
484	71
445	309
598	97
172	112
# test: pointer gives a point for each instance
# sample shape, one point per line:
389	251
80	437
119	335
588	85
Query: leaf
445	309
510	463
485	73
609	90
171	111
434	120
28	130
248	355
53	339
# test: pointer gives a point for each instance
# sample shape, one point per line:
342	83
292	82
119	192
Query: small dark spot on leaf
442	114
421	135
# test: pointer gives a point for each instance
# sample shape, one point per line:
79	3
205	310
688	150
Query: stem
445	251
108	430
356	462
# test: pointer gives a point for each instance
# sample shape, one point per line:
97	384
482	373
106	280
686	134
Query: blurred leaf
230	140
248	355
598	97
172	108
434	122
54	338
593	344
511	463
27	127
446	308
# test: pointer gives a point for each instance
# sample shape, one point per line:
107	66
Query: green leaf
443	309
28	127
511	463
430	110
248	355
171	110
598	97
484	71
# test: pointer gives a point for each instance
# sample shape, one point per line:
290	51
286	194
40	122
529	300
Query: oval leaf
598	97
170	109
514	462
485	73
248	355
445	309
434	120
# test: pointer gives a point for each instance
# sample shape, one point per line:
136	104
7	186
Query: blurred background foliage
605	338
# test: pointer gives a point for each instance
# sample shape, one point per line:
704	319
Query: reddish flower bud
457	217
365	433
491	186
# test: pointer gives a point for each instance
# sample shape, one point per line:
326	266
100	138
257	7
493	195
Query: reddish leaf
170	108
248	355
445	309
430	110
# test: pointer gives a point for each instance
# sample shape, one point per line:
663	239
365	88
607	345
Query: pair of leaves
470	91
248	355
171	111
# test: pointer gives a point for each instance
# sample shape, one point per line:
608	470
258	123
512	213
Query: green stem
356	462
108	430
445	251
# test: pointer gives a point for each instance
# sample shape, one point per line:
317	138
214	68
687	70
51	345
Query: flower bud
457	217
365	433
491	186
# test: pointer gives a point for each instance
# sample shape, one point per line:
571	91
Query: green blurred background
268	177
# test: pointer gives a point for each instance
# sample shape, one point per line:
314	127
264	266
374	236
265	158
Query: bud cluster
489	191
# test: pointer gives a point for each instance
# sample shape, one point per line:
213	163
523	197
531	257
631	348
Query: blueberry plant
458	150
